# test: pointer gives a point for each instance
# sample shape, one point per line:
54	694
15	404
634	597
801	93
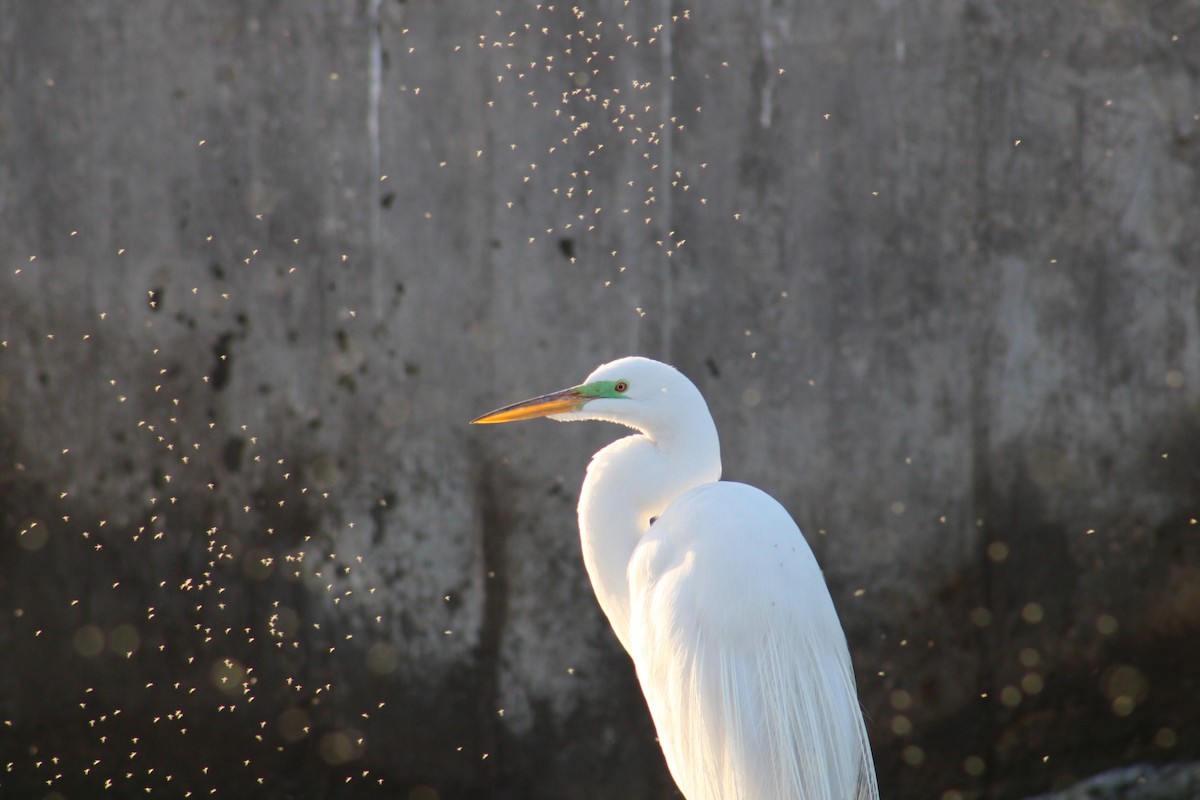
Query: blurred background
934	264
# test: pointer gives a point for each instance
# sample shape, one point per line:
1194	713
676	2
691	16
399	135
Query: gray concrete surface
935	265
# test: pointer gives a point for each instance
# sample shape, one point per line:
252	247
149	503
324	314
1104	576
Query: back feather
754	697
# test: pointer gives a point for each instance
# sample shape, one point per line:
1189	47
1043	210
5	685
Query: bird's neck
628	484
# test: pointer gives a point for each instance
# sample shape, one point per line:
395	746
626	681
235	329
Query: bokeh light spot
258	564
1010	696
124	639
382	658
1123	706
900	699
293	724
981	617
33	535
1048	467
1030	657
1166	738
227	676
339	747
1125	686
89	641
325	472
285	622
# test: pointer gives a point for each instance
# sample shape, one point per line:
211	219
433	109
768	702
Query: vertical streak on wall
766	98
493	536
374	190
668	171
977	123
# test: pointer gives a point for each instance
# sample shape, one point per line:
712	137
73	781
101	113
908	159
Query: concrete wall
935	265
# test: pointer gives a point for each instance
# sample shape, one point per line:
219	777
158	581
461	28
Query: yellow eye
620	386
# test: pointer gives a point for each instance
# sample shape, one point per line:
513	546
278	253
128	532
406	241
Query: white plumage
713	591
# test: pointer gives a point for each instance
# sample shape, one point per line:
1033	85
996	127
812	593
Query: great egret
715	594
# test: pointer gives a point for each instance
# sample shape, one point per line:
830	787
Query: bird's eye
621	386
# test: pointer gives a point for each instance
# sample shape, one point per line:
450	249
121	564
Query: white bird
715	594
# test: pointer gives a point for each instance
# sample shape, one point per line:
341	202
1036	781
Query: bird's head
638	392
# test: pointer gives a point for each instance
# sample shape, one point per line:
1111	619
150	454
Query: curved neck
628	484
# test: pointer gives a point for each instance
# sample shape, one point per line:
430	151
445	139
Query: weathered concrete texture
936	266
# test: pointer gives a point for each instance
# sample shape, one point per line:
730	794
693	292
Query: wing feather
741	656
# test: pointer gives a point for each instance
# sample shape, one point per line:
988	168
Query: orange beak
553	403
